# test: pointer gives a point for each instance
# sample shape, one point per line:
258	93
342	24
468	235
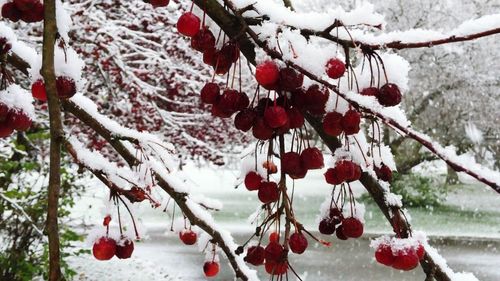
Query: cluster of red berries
65	86
343	227
406	257
274	255
344	171
25	10
188	236
334	123
105	247
12	119
383	172
388	95
157	3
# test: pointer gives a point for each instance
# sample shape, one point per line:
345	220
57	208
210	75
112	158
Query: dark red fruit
221	62
159	3
389	95
332	176
38	90
253	181
405	259
231	50
5	130
276	268
420	250
273	251
18	120
352	227
350	122
384	255
35	14
66	87
267	73
104	248
219	111
25	5
209	56
268	192
255	255
242	102
340	233
188	236
203	40
312	158
383	173
326	226
4	111
291	163
347	171
299	99
290	79
316	100
261	130
298	243
275	116
229	100
295	118
210	93
274	237
335	68
244	119
11	12
332	124
124	249
335	213
188	24
370	91
211	268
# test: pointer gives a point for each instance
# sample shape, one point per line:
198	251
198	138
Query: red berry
25	5
38	90
299	99
274	237
384	255
253	181
316	99
244	119
352	227
35	14
370	91
276	268
211	268
420	251
291	163
350	122
104	248
188	236
231	50
261	130
124	248
4	111
159	3
221	62
290	79
275	116
11	12
335	68
332	124
332	176
405	259
295	118
273	251
340	233
383	173
268	192
203	40
255	255
66	87
5	129
389	95
229	101
210	93
242	102
18	120
219	111
312	158
188	24
209	56
267	73
326	226
298	243
335	213
348	170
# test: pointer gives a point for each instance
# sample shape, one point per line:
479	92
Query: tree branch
56	135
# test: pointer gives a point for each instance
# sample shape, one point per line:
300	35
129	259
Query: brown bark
56	135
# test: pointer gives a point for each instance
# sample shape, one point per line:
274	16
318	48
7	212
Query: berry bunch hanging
25	10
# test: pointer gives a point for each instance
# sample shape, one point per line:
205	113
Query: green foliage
23	204
418	191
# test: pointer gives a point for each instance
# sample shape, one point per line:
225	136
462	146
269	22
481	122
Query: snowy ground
466	231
